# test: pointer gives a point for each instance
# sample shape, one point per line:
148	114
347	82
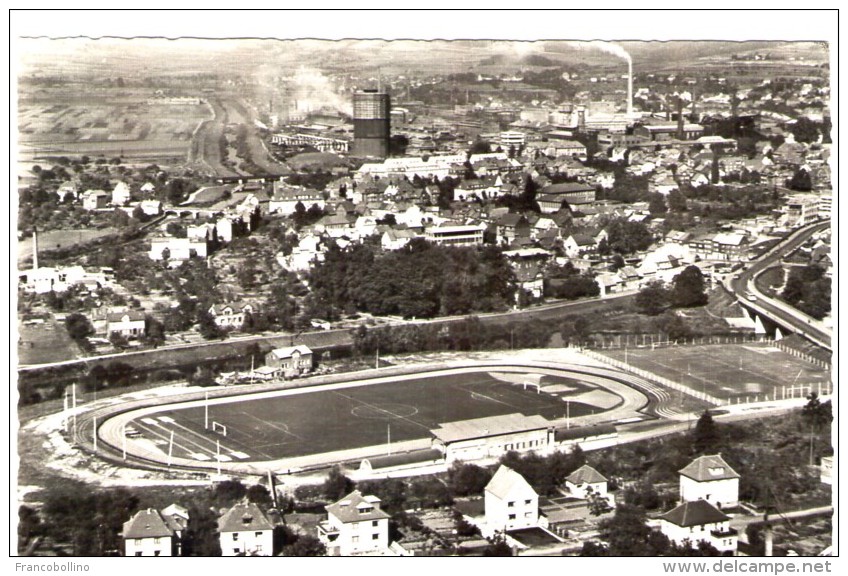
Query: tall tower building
371	123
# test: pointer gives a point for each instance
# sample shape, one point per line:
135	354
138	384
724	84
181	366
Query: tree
202	376
201	534
689	288
801	181
79	327
598	504
305	545
207	326
657	205
653	298
466	479
337	485
229	492
498	548
628	534
706	437
677	201
118	340
258	494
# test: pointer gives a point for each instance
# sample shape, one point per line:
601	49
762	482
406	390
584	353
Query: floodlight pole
206	411
170	448
218	455
124	438
94	433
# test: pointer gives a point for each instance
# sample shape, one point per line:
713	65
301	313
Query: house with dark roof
230	315
244	530
355	526
586	480
511	226
710	478
511	502
153	533
699	521
129	324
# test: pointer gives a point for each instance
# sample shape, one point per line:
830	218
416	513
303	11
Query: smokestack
680	133
629	88
581	118
769	540
34	248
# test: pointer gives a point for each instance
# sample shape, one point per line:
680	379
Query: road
780	312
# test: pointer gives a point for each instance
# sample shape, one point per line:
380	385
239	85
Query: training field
329	420
728	370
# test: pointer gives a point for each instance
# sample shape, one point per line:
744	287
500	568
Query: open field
47	342
57	239
354	417
106	122
735	371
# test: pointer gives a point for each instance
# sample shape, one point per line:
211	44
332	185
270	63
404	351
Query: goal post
219	428
535	385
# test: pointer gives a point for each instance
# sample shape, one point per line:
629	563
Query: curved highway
783	314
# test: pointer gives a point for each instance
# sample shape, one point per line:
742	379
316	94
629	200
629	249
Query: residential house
147	189
153	533
575	193
510	227
577	244
244	530
121	194
286	198
395	239
129	324
531	280
710	478
335	225
151	207
230	315
511	503
292	360
70	187
699	521
355	526
95	199
177	248
584	481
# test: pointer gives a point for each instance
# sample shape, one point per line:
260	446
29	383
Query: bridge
770	314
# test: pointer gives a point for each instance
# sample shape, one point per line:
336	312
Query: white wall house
121	194
710	478
699	521
151	533
586	480
230	315
245	530
355	526
511	503
290	360
129	324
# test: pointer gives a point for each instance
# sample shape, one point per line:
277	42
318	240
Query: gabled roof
289	351
567	188
706	468
586	474
146	524
505	481
357	508
244	518
133	315
696	513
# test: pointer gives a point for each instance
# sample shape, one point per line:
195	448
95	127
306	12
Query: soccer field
354	417
731	371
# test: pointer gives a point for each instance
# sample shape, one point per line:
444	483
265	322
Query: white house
697	521
129	324
151	207
396	239
151	533
355	526
121	194
178	248
586	480
285	199
230	315
511	503
291	360
95	199
710	478
244	530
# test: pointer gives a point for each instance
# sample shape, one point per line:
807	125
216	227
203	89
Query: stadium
434	414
